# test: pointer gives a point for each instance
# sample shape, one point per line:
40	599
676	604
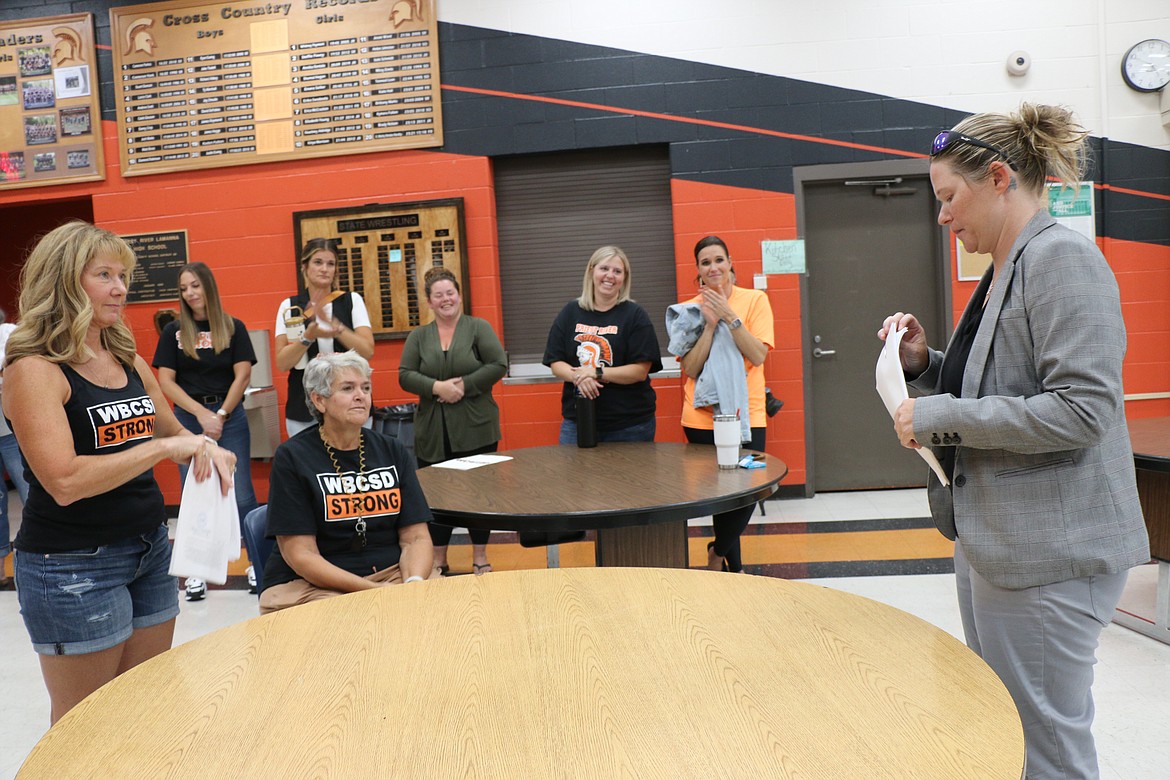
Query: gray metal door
873	247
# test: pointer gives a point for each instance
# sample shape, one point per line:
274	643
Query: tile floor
1133	672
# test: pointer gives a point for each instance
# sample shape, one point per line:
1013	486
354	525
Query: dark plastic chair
259	547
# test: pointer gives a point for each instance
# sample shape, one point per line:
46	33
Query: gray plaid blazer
1044	487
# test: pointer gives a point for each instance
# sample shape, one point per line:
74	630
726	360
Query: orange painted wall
239	221
1143	275
743	218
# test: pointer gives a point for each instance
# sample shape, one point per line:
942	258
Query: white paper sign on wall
783	257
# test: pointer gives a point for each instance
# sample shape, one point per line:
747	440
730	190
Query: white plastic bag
208	532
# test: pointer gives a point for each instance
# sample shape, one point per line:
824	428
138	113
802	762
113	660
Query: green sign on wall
1065	202
1074	208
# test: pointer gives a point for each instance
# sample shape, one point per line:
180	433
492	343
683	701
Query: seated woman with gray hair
345	506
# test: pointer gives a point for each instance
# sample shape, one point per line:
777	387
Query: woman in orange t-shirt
748	316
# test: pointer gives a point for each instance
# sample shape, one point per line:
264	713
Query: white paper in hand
891	386
208	532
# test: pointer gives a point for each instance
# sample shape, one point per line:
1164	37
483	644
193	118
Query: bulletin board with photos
202	84
50	118
384	252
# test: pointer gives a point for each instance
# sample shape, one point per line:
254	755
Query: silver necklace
105	381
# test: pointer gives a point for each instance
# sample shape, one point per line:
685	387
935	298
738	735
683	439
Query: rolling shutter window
555	210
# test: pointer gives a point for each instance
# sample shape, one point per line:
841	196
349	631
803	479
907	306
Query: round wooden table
638	496
589	673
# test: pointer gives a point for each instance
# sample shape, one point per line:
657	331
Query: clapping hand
715	307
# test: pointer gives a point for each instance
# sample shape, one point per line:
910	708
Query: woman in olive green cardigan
452	363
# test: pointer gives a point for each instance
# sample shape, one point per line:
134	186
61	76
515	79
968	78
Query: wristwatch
736	324
306	342
600	374
224	413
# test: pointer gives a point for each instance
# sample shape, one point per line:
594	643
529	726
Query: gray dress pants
1042	642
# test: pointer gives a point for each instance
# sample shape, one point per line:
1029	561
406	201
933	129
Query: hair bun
1051	135
436	273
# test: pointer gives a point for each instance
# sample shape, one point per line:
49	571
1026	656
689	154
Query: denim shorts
86	601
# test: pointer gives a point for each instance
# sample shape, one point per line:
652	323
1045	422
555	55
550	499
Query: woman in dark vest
325	320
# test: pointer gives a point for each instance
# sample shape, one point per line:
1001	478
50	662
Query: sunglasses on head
948	138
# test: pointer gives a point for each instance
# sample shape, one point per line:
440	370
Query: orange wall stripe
1128	191
684	119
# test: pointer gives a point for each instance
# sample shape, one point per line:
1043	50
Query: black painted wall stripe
683	119
738	128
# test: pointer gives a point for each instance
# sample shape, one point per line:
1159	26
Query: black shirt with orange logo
102	421
307	497
602	339
211	374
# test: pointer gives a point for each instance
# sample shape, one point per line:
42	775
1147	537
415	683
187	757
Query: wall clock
1146	66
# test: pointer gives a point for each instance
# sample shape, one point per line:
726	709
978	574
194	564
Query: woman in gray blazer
1025	411
452	363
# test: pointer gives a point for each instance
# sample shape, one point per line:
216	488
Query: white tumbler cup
727	440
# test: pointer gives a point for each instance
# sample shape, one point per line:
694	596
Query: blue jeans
237	438
640	432
10	455
88	600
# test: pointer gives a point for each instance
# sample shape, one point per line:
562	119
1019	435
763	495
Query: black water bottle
586	420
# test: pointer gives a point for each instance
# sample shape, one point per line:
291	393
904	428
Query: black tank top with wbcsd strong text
102	421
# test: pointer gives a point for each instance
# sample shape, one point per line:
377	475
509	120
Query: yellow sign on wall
971	264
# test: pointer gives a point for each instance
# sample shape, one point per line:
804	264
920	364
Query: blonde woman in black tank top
92	423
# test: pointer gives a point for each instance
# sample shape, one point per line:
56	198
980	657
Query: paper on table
471	462
891	386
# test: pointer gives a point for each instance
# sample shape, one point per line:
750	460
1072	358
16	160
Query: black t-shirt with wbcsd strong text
307	497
